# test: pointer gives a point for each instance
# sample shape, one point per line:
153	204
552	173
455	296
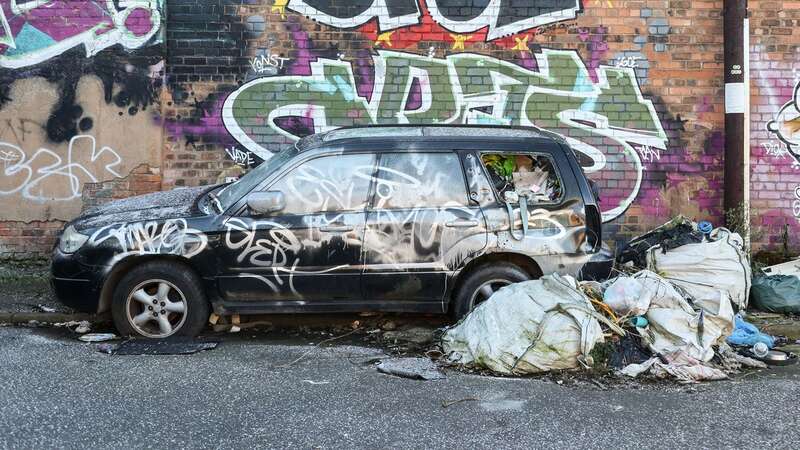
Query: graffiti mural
786	125
501	17
30	33
46	176
559	96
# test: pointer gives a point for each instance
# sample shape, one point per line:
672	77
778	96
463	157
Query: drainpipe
737	108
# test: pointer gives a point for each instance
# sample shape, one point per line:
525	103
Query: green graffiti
463	88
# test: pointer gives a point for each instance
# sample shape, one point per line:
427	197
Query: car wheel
158	300
480	284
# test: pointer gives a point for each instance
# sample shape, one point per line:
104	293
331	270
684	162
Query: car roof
413	133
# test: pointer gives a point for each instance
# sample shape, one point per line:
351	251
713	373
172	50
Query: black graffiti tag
501	17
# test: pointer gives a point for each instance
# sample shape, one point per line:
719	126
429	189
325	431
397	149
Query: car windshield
233	192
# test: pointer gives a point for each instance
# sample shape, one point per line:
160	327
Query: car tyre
481	283
158	300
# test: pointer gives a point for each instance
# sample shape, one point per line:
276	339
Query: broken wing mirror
265	203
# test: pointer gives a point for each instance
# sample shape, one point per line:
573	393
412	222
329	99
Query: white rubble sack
676	327
704	269
528	328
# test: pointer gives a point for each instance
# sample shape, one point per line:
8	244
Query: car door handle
337	228
462	224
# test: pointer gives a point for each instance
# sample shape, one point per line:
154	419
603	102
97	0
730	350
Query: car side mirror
268	202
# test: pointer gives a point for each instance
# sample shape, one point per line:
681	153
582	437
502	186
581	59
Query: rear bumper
599	267
75	284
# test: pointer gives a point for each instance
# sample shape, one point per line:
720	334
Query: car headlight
71	241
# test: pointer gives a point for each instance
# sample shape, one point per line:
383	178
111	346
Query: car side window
327	184
532	175
412	180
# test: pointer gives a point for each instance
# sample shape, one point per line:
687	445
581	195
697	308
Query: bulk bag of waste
675	326
528	328
776	294
676	233
703	269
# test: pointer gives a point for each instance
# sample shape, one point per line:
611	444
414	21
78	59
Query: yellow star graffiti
385	39
280	7
459	40
522	44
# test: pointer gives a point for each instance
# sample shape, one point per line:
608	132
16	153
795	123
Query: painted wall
191	92
79	83
775	123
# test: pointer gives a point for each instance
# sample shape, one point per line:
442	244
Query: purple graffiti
33	31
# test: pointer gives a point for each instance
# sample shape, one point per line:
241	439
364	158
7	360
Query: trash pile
671	313
777	289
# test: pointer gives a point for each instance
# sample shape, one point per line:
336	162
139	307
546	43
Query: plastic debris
776	293
678	365
528	328
98	337
678	232
414	368
83	327
747	335
46	309
625	297
731	360
674	325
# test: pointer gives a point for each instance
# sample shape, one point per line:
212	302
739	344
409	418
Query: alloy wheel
156	309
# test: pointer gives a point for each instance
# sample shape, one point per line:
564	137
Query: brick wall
775	72
189	92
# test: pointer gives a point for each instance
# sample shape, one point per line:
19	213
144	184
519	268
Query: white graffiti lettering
46	176
240	157
628	61
262	63
270	251
171	237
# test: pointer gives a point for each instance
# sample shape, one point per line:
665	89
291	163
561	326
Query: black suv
417	218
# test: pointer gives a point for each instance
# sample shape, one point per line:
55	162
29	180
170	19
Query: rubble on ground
671	313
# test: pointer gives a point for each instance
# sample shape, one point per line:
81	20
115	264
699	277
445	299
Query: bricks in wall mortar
197	91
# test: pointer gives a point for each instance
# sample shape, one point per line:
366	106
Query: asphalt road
60	393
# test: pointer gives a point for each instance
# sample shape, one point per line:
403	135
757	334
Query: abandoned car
428	219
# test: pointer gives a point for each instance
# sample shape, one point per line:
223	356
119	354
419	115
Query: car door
421	226
311	250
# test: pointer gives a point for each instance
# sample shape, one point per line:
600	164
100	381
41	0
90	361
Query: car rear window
526	174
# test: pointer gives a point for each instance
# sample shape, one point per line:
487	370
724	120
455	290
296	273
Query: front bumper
75	284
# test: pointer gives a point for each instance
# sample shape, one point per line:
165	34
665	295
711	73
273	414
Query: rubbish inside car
430	219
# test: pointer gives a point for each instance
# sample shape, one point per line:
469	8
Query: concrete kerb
23	318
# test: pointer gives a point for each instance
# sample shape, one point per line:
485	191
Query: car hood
177	203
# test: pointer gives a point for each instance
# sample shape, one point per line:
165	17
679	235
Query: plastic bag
625	297
747	335
776	294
